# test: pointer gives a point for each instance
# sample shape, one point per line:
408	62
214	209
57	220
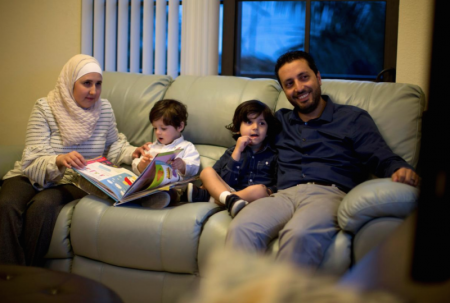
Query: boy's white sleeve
192	159
134	165
135	162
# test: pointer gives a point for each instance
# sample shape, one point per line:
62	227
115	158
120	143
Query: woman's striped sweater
44	143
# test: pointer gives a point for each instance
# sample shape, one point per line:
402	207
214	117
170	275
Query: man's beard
311	107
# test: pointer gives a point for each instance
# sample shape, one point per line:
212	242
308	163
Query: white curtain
111	32
200	37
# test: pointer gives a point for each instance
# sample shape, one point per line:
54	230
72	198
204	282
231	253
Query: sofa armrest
8	155
140	238
213	237
373	199
60	247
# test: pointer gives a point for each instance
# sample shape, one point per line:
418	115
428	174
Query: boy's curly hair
171	111
254	107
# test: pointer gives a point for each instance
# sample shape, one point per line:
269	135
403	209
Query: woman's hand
179	165
141	150
69	160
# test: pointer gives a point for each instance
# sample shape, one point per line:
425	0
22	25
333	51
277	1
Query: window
145	36
348	39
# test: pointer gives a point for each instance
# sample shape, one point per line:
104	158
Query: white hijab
75	123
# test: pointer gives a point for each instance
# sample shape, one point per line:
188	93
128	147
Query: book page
153	172
102	172
143	193
164	174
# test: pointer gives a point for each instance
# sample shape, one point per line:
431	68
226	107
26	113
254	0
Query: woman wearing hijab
69	126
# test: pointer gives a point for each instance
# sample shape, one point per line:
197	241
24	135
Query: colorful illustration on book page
99	171
119	183
164	174
102	160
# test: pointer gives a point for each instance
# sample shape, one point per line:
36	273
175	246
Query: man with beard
324	150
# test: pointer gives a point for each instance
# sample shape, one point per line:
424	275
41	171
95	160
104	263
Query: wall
414	42
37	38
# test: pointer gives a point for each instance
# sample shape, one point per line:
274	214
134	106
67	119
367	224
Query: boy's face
256	129
166	134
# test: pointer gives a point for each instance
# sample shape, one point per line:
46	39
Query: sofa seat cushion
137	286
373	199
135	237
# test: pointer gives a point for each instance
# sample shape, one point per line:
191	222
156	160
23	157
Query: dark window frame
231	21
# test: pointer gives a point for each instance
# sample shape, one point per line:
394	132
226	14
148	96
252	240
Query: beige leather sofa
158	255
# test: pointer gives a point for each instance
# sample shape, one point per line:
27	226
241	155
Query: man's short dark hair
171	111
254	107
292	56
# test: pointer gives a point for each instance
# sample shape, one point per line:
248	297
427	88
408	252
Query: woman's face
87	89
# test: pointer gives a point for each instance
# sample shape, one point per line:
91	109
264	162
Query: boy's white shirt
189	155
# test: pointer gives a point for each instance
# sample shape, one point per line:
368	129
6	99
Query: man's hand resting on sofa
407	176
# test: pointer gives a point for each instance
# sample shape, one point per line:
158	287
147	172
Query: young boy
248	169
169	118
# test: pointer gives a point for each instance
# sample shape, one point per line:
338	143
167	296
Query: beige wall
37	37
414	42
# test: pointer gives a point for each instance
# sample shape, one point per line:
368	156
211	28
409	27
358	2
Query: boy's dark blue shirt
340	147
252	168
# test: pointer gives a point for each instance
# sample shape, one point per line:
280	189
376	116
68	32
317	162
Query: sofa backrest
211	102
395	107
132	97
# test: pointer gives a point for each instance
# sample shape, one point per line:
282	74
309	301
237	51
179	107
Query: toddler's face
256	128
166	134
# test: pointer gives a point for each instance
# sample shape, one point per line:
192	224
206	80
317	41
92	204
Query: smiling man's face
302	87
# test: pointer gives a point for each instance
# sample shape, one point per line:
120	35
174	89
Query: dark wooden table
32	284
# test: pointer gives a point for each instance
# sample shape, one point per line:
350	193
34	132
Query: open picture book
123	186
